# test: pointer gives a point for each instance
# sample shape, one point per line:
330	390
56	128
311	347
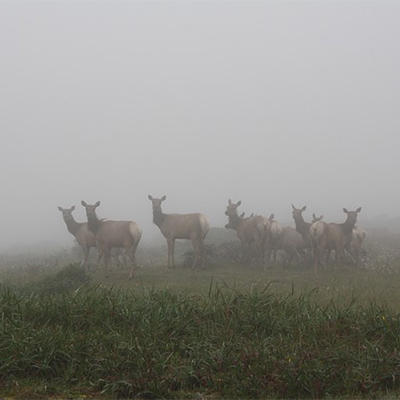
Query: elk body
80	230
252	232
327	237
181	226
109	234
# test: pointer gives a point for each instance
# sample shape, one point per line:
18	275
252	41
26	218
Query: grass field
224	332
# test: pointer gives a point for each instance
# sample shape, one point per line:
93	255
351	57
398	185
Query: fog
271	103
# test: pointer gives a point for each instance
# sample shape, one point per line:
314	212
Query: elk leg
85	257
107	260
171	248
132	257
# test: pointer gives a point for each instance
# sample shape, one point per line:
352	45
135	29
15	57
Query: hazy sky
267	102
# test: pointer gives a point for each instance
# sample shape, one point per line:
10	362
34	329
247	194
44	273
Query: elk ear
97	204
60	208
150	197
239	203
304	208
242	215
163	198
313	215
345	210
229	201
293	207
358	210
271	217
83	203
72	208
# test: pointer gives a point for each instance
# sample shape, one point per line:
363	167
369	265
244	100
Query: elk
357	238
252	232
302	226
293	243
80	230
315	218
119	234
181	226
326	237
274	238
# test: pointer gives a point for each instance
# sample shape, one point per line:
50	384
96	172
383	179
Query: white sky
271	103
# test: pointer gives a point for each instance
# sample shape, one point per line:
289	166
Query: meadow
228	331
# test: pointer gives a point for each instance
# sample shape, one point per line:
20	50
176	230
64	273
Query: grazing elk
109	234
80	230
327	237
181	226
251	231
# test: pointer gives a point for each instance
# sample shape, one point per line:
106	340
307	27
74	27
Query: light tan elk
251	231
274	239
357	238
109	234
80	230
327	237
316	219
293	244
181	226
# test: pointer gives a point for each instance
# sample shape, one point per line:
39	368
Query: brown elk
252	232
80	230
302	226
326	237
181	226
355	248
109	234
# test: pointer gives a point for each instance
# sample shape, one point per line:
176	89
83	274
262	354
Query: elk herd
261	238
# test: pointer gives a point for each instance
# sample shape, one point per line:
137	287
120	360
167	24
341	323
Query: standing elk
327	237
302	226
357	238
355	248
293	243
181	226
252	232
109	234
80	230
274	239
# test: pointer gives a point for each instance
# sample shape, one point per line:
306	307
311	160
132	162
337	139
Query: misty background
271	103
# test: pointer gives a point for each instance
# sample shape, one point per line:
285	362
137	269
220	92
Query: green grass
226	332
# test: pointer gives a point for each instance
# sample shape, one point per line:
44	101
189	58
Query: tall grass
224	342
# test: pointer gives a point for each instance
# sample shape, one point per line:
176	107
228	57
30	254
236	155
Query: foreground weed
225	342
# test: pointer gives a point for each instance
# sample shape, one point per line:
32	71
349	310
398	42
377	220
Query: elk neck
73	226
234	221
347	226
302	226
158	216
94	224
